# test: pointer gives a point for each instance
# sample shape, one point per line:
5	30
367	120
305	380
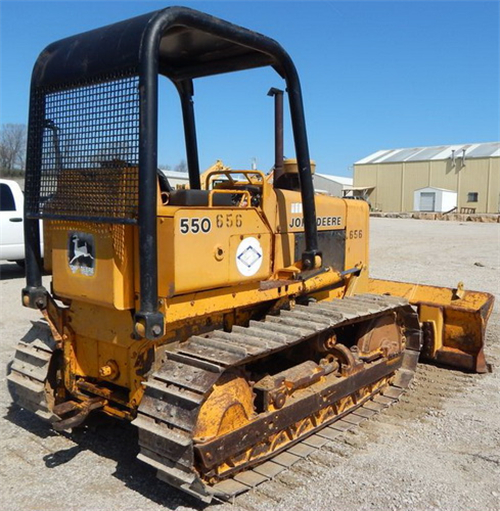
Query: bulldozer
233	322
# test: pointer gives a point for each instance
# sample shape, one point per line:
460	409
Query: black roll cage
181	44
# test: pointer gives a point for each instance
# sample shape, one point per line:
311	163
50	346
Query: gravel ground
437	449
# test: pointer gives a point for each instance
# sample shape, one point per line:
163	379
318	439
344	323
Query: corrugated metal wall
326	185
494	185
416	176
395	182
473	177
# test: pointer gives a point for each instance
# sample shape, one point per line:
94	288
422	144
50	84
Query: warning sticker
249	256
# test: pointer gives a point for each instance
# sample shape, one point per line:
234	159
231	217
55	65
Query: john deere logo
81	253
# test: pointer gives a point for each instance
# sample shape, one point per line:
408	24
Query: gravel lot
437	449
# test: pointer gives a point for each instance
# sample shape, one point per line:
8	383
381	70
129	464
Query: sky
375	75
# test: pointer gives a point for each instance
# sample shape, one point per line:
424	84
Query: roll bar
182	44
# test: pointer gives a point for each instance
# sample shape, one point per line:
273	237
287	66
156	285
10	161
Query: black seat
198	198
163	180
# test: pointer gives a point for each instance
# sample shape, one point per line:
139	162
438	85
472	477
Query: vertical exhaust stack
278	133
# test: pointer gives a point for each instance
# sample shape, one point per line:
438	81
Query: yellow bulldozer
234	322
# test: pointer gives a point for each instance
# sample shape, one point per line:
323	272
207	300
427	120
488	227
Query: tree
181	166
12	148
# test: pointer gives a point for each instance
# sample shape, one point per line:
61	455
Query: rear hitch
72	413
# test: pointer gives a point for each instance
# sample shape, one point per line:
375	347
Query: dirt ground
437	449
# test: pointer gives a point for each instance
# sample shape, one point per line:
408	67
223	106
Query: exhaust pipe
278	132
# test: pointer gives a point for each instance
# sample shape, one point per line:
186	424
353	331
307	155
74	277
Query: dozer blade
453	321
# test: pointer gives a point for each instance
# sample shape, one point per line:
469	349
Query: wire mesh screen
84	146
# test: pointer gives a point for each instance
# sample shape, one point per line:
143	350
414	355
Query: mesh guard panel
87	158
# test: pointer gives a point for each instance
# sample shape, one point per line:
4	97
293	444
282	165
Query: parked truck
11	221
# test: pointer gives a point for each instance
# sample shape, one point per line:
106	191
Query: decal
296	207
321	221
81	253
249	256
356	234
229	220
195	225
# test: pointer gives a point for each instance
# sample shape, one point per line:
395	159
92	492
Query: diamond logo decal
249	256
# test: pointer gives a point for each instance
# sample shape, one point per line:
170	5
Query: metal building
434	199
176	179
388	179
331	185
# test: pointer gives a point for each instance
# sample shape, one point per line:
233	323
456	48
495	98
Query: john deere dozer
234	323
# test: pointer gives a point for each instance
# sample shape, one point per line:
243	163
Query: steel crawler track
29	371
174	394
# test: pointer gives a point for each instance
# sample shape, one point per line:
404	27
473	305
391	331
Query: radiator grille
83	152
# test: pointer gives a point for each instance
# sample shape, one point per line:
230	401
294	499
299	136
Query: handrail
228	173
246	193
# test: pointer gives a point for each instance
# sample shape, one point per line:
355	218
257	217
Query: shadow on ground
10	271
113	439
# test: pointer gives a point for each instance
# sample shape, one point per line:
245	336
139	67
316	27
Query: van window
6	198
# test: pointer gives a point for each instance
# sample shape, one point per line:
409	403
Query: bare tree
181	166
12	148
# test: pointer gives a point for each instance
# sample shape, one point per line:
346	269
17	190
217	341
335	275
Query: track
27	378
174	394
169	410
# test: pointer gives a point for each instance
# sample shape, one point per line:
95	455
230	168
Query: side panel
92	262
104	335
342	229
357	234
284	250
330	212
330	222
332	245
357	243
342	233
202	248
